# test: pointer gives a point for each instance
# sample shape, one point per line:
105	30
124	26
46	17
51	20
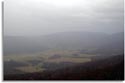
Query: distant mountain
116	41
114	44
19	45
63	40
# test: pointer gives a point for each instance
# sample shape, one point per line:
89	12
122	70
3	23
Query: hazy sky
39	17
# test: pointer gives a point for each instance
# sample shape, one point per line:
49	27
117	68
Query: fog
41	17
63	40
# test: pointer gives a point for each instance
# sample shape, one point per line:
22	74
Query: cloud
38	18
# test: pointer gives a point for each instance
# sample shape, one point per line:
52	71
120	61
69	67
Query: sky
42	17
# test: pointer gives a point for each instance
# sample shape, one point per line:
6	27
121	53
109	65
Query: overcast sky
41	17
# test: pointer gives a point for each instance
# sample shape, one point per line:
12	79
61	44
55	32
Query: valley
57	56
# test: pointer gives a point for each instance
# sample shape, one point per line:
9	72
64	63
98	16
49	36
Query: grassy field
30	69
68	59
34	62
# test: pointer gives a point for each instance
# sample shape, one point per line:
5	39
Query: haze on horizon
41	17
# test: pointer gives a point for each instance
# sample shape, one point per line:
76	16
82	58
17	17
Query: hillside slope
111	68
